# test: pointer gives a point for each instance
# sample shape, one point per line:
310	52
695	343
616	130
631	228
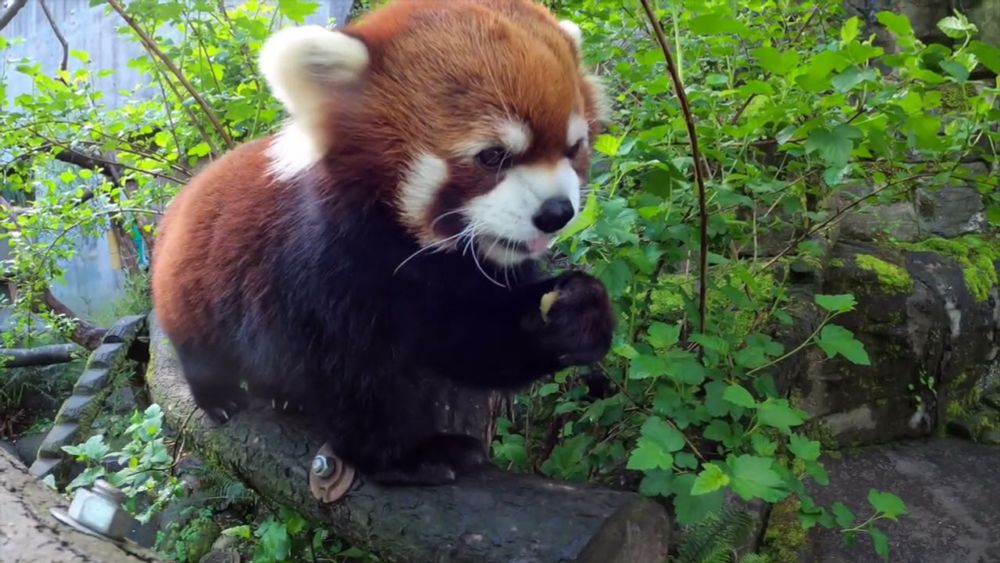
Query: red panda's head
478	114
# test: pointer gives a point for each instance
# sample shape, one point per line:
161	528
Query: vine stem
155	50
699	171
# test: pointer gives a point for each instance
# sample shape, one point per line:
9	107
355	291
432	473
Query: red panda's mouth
533	246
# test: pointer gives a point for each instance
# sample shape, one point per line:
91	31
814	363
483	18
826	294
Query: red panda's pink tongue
538	244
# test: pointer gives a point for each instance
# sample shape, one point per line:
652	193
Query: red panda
392	228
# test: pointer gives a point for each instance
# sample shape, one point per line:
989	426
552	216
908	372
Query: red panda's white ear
300	65
574	32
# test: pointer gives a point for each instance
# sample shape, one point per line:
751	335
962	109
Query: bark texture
493	516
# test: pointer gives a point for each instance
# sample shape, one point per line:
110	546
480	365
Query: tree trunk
29	532
493	516
39	356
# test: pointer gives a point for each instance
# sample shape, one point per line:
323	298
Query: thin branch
64	66
11	11
154	50
39	356
699	171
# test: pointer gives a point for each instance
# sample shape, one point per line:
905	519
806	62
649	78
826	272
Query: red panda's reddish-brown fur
243	254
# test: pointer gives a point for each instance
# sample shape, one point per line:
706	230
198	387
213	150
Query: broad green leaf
649	455
608	144
645	367
957	26
836	340
887	503
711	478
718	430
687	371
739	396
988	55
843	515
763	446
753	477
849	31
898	24
775	61
656	482
818	472
662	335
833	145
955	69
841	303
668	437
851	77
804	448
692	509
297	10
717	23
880	542
777	413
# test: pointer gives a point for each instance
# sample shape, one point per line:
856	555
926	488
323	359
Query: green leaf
739	396
880	542
666	436
716	24
842	303
898	24
843	515
752	477
649	455
201	149
955	69
297	10
645	367
834	146
656	482
851	77
836	340
687	371
82	56
763	446
957	26
775	61
849	31
692	509
804	448
988	55
777	413
818	472
548	389
662	335
711	478
887	503
718	430
274	539
608	144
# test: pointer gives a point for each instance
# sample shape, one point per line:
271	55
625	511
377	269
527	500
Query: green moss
836	263
785	538
977	256
892	277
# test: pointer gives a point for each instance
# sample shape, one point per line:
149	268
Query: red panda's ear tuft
574	32
302	65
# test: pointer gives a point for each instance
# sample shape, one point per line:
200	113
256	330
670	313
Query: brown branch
154	50
64	66
39	356
699	171
11	11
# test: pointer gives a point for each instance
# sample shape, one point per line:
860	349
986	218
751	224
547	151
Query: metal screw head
322	467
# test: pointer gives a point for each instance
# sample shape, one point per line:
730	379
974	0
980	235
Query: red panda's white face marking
475	115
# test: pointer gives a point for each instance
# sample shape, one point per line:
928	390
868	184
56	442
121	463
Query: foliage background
794	104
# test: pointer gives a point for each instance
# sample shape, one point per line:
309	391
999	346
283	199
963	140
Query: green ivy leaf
843	515
711	478
887	503
836	303
777	413
649	455
666	436
836	340
804	448
739	396
753	477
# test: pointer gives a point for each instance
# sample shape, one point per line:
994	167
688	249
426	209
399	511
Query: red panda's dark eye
493	158
574	150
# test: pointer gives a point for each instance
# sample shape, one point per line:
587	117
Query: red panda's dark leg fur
214	383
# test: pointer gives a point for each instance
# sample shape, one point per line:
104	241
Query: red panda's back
211	236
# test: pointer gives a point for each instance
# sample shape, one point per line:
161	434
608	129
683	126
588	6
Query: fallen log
29	532
492	516
40	355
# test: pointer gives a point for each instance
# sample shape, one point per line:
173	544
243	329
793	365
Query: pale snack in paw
546	303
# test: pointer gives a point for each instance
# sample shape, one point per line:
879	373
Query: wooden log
29	532
491	516
39	356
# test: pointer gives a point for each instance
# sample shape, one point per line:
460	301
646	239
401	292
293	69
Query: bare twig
11	11
699	171
39	356
155	50
64	66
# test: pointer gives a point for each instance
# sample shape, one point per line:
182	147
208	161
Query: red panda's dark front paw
577	320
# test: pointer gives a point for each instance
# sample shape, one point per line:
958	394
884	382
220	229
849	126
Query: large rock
950	211
953	509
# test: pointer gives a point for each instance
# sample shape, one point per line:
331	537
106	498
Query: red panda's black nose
553	214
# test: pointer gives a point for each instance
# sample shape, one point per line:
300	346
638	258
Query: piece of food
547	301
